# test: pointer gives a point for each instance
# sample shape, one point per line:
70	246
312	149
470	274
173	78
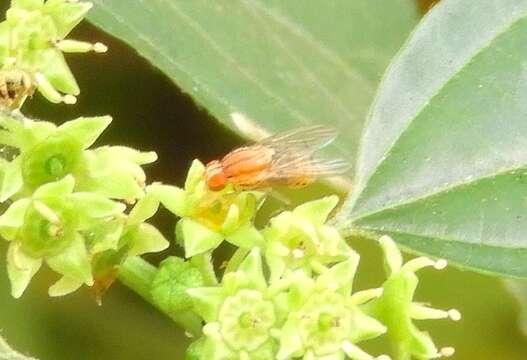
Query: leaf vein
439	190
410	122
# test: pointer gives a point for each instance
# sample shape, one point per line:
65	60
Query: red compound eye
214	176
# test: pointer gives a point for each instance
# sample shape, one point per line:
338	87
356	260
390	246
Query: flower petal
207	301
20	269
12	179
143	210
197	238
73	262
59	188
317	211
64	286
85	129
173	198
145	238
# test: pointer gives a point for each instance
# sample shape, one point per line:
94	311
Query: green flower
111	241
325	320
47	153
397	310
48	227
240	314
208	217
32	39
299	239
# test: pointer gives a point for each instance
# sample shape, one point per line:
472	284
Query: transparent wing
294	154
291	165
305	139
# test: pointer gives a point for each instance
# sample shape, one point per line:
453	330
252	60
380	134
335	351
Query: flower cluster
32	43
304	309
65	207
299	303
65	202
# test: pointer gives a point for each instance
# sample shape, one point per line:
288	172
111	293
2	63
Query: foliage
447	179
326	60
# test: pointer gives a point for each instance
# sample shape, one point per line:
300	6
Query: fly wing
305	140
294	154
290	166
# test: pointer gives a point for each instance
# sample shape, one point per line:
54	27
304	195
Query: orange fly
283	159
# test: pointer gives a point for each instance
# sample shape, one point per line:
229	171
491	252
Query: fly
286	158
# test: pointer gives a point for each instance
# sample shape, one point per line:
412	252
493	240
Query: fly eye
216	181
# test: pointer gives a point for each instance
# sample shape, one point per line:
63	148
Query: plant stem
236	260
203	263
138	274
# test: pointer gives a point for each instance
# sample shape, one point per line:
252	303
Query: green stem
236	259
138	275
203	263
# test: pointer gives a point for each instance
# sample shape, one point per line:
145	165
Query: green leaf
280	63
443	164
7	353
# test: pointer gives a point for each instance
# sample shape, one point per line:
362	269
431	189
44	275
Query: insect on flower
15	86
283	159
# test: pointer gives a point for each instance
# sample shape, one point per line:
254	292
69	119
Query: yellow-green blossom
208	217
396	308
300	239
33	39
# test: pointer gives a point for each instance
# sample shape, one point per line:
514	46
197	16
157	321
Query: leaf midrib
439	190
425	105
460	264
478	243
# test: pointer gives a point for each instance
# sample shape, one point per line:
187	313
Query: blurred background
151	113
